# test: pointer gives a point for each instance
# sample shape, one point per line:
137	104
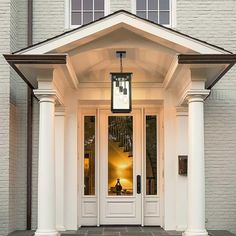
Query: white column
196	171
46	167
181	180
60	165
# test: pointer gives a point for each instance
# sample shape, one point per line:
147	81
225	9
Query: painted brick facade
117	5
213	21
48	19
12	121
4	116
35	162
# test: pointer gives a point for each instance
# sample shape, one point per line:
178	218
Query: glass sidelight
151	155
89	155
120	155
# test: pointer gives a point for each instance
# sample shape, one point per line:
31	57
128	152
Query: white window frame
172	13
68	24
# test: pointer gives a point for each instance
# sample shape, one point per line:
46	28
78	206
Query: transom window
158	11
85	11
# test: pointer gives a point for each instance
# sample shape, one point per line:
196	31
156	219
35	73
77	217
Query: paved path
122	231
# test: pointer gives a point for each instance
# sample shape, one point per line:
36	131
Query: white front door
120	162
119	177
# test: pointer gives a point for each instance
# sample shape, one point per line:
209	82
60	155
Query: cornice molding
200	94
49	94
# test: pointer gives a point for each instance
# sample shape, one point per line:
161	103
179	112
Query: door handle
138	184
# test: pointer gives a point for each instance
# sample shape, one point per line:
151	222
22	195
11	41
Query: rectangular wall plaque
183	164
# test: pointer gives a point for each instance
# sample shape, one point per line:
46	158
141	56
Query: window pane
98	15
98	5
87	17
120	155
76	18
164	18
141	4
153	16
76	5
164	5
89	155
87	4
152	4
141	14
151	155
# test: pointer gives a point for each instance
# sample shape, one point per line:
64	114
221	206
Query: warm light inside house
120	159
89	155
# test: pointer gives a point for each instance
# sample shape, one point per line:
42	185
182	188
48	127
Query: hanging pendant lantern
121	88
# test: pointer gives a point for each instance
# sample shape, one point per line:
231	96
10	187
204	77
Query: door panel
120	163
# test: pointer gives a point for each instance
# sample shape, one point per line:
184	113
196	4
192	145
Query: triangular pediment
165	36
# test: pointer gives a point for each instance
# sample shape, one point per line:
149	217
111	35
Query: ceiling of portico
148	60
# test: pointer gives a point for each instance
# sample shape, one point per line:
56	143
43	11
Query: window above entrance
158	11
85	11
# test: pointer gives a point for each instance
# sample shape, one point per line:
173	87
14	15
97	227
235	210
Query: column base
195	233
60	228
46	233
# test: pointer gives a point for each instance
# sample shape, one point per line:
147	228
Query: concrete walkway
122	231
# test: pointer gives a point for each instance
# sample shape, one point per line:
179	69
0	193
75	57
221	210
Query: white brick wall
4	116
21	170
22	7
220	141
215	22
35	163
48	19
117	5
18	96
12	169
12	161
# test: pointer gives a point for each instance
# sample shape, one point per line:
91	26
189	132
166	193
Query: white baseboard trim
181	227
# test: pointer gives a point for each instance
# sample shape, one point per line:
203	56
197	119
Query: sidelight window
89	155
151	155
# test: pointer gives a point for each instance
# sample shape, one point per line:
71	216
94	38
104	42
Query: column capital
181	111
60	110
195	95
47	95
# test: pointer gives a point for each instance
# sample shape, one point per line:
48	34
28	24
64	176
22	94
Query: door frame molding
88	109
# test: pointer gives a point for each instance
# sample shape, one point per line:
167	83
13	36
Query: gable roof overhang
188	51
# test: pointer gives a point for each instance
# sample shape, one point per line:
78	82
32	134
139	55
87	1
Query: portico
172	76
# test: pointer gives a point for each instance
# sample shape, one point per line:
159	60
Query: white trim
129	22
133	6
142	167
97	162
67	14
107	7
173	14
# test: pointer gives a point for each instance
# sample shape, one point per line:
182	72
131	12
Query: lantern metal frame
118	77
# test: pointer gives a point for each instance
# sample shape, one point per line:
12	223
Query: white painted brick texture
117	5
215	22
4	116
48	19
35	163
